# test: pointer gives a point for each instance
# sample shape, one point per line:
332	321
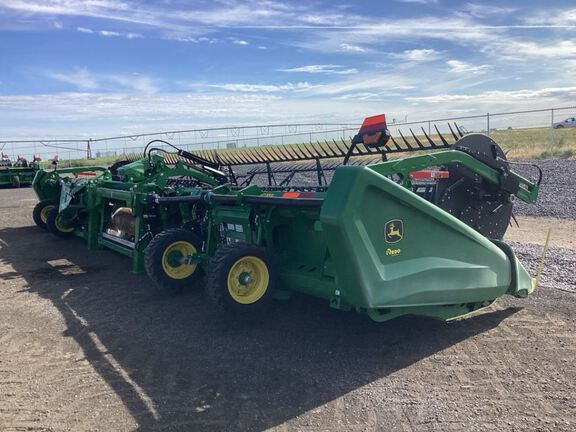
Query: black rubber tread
217	278
16	181
36	212
53	228
153	261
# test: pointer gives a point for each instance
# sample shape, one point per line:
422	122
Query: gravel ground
85	346
557	194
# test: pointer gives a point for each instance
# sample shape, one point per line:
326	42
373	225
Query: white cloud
83	79
328	69
418	55
264	88
553	17
483	10
346	47
501	96
80	78
460	67
419	1
240	41
108	33
366	83
522	50
184	38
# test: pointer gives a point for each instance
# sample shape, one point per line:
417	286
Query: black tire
16	181
559	127
157	261
219	273
55	226
40	212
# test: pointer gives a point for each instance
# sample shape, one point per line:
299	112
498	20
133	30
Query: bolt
245	278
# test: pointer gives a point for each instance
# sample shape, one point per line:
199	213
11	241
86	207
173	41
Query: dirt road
84	346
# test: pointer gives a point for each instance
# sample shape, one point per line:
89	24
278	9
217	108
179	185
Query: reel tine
251	156
459	130
273	151
260	156
331	148
299	151
405	140
329	152
311	154
233	157
395	143
285	155
343	150
268	155
416	139
321	153
452	132
217	159
243	157
515	220
446	144
432	143
294	155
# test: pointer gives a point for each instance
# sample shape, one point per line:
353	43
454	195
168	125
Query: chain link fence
546	126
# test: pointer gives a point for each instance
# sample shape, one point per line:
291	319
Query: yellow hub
248	280
174	260
44	213
61	227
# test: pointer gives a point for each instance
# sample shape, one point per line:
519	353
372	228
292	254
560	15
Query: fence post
551	129
488	123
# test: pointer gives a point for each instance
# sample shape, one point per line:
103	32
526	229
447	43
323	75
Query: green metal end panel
522	283
392	248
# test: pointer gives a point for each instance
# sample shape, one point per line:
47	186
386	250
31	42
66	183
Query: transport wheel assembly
242	278
56	224
40	212
169	263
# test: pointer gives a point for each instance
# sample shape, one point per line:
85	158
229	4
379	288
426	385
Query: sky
93	68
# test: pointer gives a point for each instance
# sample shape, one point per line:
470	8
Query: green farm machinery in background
420	235
18	173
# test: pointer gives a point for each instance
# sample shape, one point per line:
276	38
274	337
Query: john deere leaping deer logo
394	231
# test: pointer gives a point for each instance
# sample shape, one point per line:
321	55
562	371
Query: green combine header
18	173
420	235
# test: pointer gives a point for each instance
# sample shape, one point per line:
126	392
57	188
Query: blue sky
94	67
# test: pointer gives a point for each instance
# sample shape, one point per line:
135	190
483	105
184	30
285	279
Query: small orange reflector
429	175
291	194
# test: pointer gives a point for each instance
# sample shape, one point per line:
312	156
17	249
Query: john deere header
419	235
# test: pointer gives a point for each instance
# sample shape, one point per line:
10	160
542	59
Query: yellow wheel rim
61	227
248	280
44	213
174	260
